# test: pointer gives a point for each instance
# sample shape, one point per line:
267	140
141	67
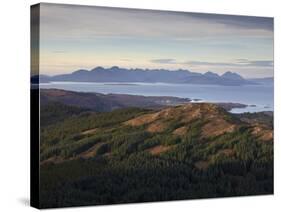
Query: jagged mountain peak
211	74
232	75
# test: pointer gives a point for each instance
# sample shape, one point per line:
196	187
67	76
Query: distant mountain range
123	75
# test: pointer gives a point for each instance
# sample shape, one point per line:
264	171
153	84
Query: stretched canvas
133	105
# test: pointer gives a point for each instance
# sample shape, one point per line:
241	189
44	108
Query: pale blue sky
75	37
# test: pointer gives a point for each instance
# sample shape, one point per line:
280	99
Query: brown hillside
214	119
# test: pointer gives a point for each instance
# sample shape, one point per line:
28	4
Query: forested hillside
133	154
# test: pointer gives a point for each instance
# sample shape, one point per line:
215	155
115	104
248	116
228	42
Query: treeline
55	137
54	112
142	177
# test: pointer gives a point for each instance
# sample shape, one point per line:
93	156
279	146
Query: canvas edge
34	106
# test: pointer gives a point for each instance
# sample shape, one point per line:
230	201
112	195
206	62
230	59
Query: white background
14	103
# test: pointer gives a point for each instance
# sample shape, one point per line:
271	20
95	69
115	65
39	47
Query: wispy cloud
261	63
203	63
244	63
236	63
244	22
164	61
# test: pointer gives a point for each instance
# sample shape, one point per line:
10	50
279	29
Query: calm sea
259	95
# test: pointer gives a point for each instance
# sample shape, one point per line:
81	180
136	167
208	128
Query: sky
83	37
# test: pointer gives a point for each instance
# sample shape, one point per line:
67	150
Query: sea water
258	97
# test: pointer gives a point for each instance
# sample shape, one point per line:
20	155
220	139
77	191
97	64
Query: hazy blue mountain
211	74
232	76
116	74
